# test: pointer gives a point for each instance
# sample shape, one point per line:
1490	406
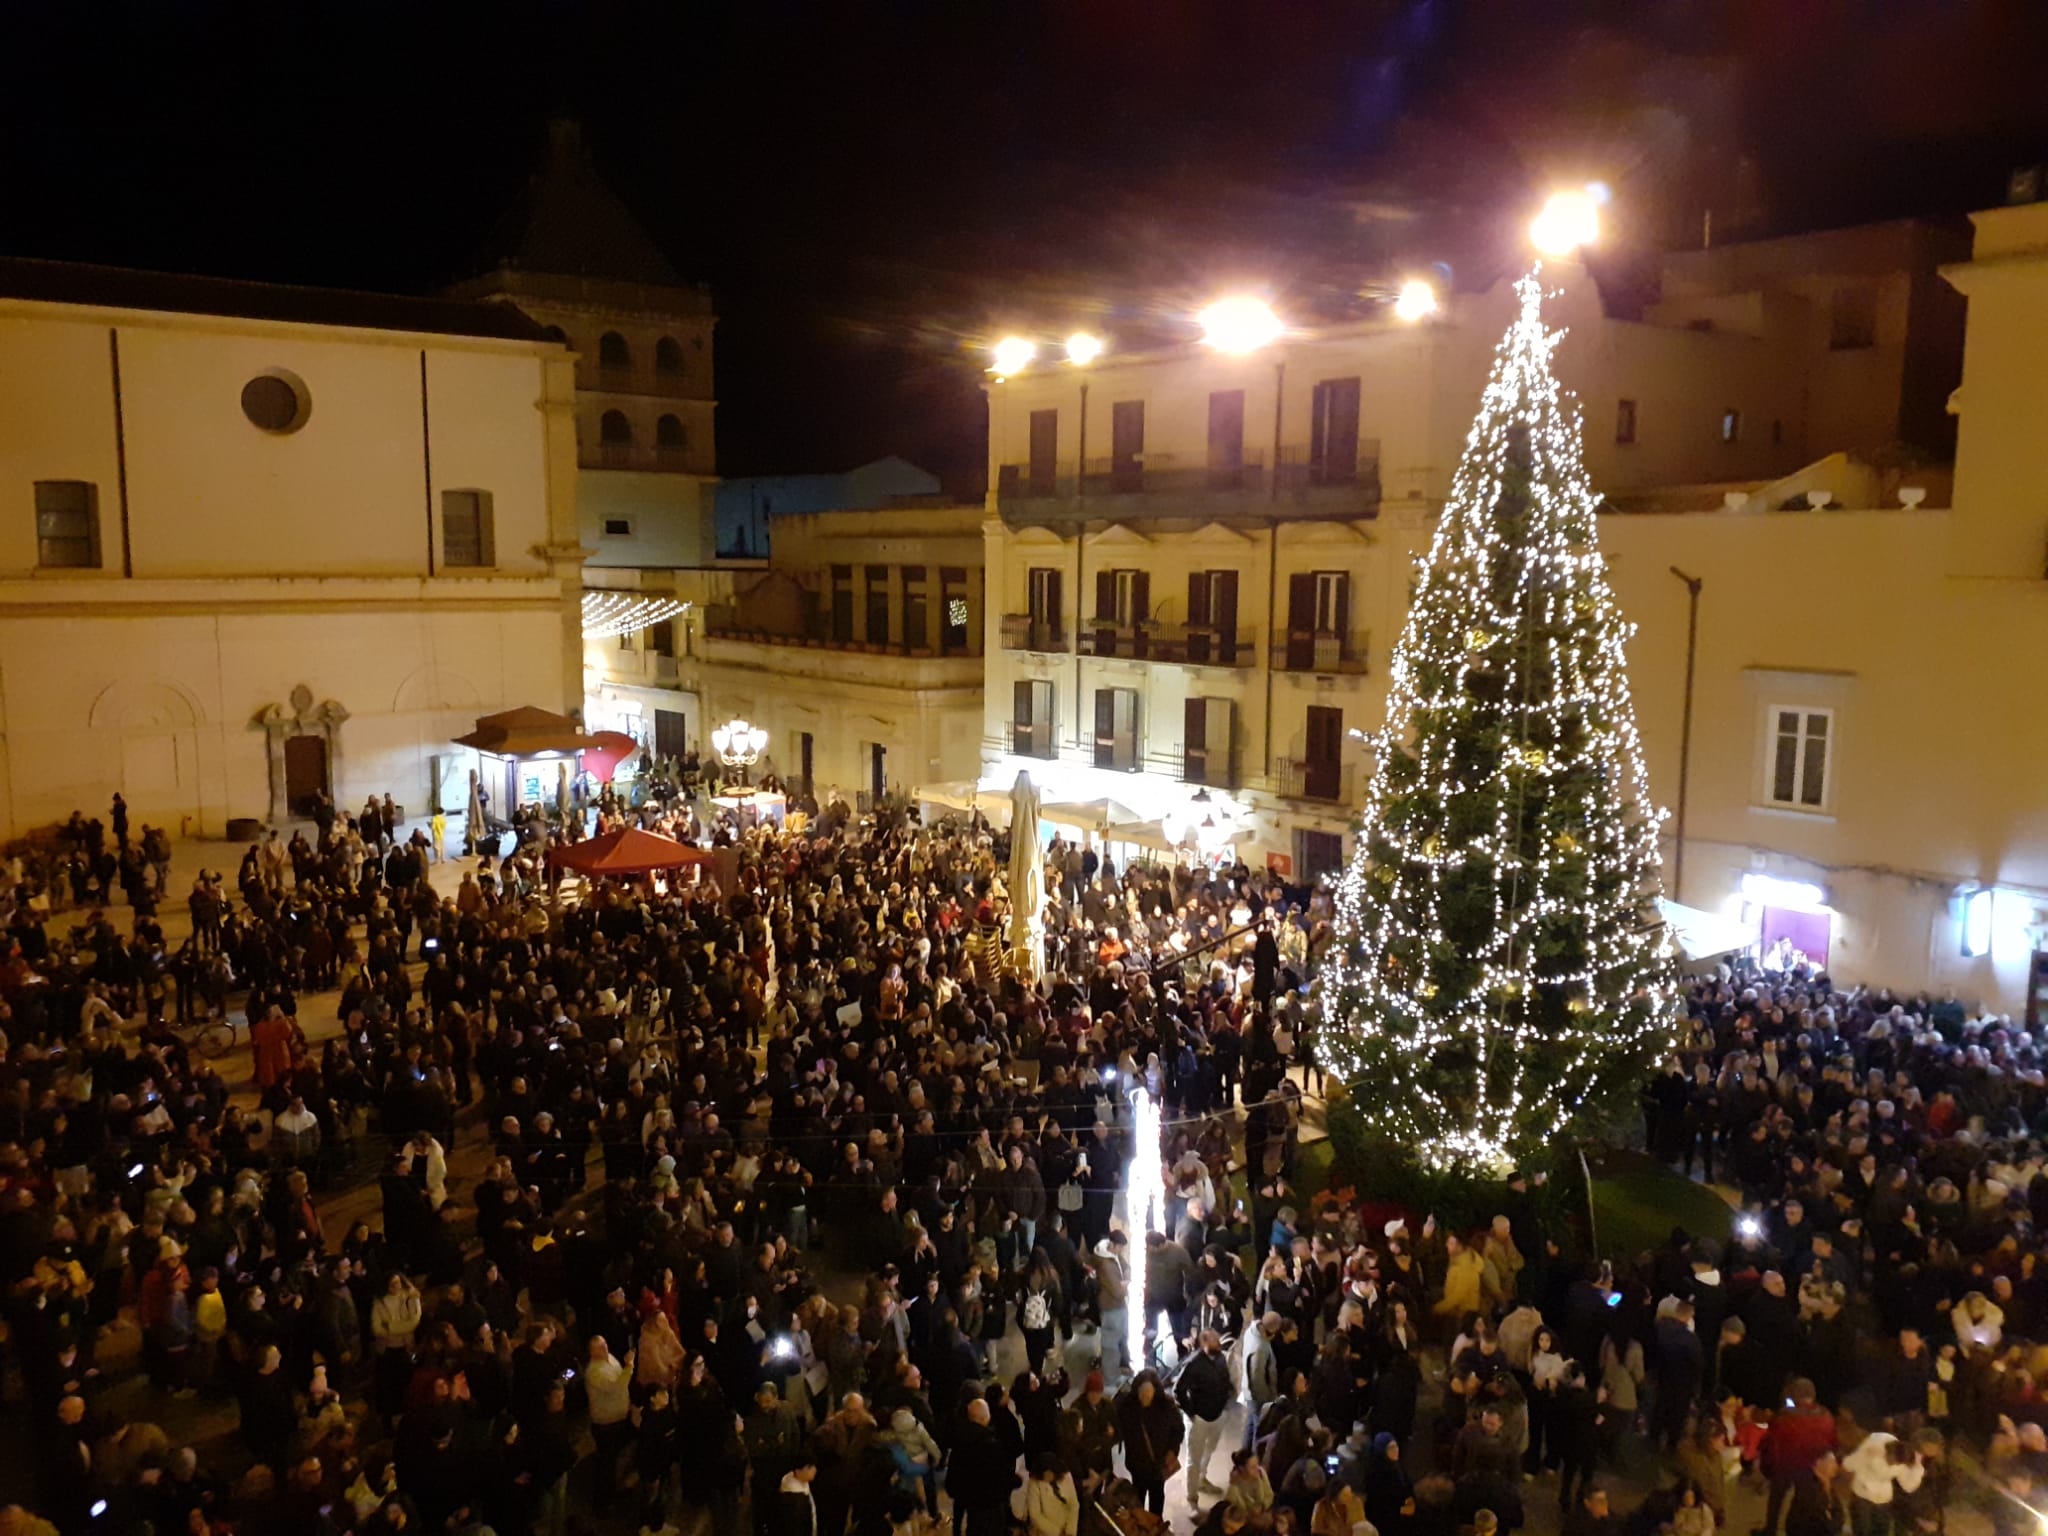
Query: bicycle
213	1037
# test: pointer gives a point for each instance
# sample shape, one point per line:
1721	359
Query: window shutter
1195	724
1105	714
1344	608
1105	597
486	534
1301	601
1198	598
1224	615
1053	616
1020	706
1141	596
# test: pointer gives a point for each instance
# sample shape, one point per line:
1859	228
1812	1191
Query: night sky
873	188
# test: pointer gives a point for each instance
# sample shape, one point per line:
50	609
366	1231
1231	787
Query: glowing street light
1416	301
1144	1211
739	745
1239	325
1013	354
1568	221
1083	349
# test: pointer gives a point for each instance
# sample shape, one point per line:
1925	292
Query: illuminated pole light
1145	1211
739	744
1417	300
1012	355
1569	220
1239	325
1083	349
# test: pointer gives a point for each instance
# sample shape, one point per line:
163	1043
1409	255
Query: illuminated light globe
1497	979
738	743
1012	355
1083	349
1569	221
1416	300
1239	325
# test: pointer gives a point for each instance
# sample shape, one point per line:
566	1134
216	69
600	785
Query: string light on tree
1498	975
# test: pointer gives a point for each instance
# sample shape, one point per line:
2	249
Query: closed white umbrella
1027	882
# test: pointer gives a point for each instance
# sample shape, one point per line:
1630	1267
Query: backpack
1037	1310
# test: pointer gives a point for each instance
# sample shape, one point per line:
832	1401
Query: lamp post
739	745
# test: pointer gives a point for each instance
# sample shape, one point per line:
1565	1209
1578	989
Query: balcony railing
719	627
1028	632
1151	474
618	455
1215	767
1312	779
1320	650
1327	483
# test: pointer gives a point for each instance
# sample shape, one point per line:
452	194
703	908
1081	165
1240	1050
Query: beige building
1199	565
857	645
257	541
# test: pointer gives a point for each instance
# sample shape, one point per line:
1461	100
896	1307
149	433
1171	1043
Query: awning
1087	815
528	732
1145	834
959	794
1701	935
628	851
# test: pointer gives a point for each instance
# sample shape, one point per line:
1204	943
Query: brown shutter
1224	616
1141	596
1053	617
1344	609
1198	598
1020	708
1105	597
1195	724
1301	601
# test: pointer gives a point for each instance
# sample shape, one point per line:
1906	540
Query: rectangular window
1044	599
1852	318
1116	729
661	638
842	604
1212	616
1799	757
1208	729
1731	426
618	527
1042	477
954	630
1322	767
1318	619
1317	854
1031	720
1226	439
1127	445
916	609
1625	421
1333	433
878	605
67	525
468	540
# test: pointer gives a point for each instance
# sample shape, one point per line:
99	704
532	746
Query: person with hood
1089	1429
1149	1425
1387	1491
1112	1287
914	1456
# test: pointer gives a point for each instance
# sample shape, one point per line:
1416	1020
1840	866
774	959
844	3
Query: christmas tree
1498	973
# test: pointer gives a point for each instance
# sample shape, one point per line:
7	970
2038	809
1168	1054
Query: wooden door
671	736
1042	475
1195	742
1127	445
305	772
1322	767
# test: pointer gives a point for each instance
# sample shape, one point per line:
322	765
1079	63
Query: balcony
1317	485
1167	477
1321	651
1033	740
1027	632
1215	769
1191	645
1311	779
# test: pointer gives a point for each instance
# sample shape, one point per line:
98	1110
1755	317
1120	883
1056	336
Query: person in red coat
1797	1439
270	1044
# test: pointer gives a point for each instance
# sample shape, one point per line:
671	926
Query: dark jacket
1149	1434
981	1473
1204	1386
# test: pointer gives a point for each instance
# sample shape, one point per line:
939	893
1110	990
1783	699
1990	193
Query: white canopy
1144	834
1700	935
1087	815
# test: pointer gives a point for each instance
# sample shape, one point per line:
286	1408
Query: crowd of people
794	1207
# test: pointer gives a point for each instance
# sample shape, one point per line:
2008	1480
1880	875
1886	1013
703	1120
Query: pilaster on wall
564	551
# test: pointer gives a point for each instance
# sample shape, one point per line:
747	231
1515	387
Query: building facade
1199	565
857	646
259	541
571	257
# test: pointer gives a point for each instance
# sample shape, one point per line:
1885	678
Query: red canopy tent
628	851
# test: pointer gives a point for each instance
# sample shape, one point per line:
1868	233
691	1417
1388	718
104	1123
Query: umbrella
1027	881
612	749
562	791
628	851
473	815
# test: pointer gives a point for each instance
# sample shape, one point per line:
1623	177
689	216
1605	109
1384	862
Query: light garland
1145	1211
606	614
1508	707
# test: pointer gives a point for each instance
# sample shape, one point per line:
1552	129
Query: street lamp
1569	220
1083	349
1416	301
1239	325
1012	355
739	744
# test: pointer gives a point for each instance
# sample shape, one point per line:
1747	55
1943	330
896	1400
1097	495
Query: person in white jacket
1051	1506
425	1150
1878	1468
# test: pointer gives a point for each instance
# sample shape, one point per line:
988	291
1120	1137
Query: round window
276	401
